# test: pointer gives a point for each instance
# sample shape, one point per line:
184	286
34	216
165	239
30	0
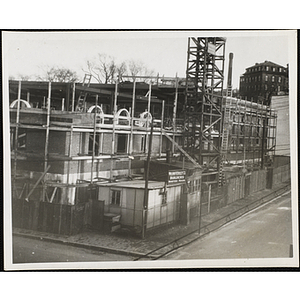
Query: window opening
163	193
97	143
116	197
122	143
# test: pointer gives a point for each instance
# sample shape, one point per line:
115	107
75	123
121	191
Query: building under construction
139	153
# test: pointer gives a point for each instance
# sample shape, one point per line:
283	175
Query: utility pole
94	138
199	229
263	143
146	194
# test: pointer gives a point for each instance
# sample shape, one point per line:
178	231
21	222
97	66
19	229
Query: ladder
181	149
226	124
83	94
229	91
225	140
221	173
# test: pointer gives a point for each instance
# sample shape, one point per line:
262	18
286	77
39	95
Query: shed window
163	192
116	197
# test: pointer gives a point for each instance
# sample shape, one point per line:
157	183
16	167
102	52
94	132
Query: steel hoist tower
203	101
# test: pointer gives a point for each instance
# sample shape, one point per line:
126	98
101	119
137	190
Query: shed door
97	214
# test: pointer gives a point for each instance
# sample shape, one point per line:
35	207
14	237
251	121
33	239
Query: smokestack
229	80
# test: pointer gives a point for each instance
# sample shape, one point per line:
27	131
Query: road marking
258	221
284	208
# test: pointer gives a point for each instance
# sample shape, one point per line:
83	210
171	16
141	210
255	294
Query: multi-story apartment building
262	81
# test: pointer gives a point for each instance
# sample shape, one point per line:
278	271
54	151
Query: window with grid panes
116	197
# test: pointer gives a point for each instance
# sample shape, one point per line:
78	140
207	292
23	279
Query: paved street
27	250
264	233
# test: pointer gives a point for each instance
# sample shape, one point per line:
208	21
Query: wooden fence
212	198
281	174
49	217
239	187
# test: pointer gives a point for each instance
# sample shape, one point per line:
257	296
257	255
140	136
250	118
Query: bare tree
103	69
65	75
57	74
20	77
135	67
138	68
121	70
24	77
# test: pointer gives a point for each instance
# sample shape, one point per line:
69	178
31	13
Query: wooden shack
126	199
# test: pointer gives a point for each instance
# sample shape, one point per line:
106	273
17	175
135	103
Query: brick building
262	81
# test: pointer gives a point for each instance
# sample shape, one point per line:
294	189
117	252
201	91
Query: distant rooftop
265	63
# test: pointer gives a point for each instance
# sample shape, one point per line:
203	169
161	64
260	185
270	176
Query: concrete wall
58	143
35	141
281	105
107	144
137	143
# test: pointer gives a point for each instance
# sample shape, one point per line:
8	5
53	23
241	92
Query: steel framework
251	131
203	102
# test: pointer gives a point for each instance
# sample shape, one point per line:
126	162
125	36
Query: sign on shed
176	176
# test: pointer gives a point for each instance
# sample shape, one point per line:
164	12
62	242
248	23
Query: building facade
262	81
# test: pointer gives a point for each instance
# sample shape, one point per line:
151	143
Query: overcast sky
27	53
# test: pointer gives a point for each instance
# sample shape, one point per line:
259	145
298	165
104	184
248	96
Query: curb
80	245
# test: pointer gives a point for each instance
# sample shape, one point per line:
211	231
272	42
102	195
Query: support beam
36	184
47	134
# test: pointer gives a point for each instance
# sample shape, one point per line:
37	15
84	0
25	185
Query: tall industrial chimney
229	80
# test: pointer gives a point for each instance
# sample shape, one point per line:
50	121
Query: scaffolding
251	132
203	102
102	133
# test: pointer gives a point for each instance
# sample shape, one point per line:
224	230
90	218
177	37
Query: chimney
229	80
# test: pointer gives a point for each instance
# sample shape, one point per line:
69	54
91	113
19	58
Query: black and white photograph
150	149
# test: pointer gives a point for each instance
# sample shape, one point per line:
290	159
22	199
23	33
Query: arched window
22	103
145	118
123	117
99	112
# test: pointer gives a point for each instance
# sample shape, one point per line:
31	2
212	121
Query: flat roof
136	184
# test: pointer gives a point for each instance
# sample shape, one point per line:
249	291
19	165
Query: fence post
209	196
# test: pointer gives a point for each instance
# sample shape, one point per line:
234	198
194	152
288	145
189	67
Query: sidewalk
123	243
